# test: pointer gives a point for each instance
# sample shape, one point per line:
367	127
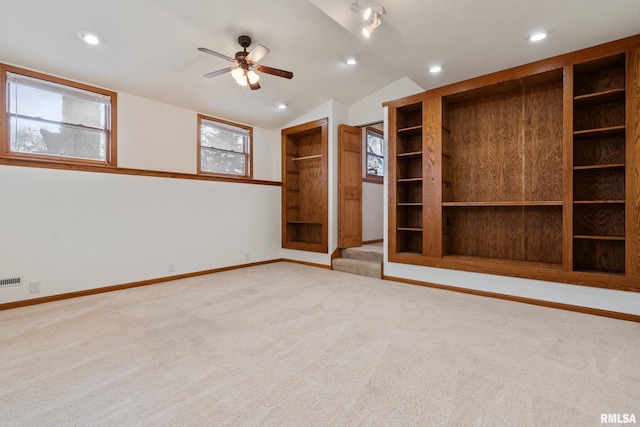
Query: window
375	154
48	118
224	148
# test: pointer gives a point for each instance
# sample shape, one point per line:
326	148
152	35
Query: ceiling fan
246	62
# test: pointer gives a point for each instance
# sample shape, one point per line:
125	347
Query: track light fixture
367	30
371	16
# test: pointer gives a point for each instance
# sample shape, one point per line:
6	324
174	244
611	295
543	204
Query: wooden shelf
598	202
483	178
599	97
589	237
600	132
412	154
599	271
598	167
520	263
410	130
305	222
410	253
499	204
315	156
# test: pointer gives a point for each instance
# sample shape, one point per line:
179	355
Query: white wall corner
369	109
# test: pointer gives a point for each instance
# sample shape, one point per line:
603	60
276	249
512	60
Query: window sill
379	180
48	164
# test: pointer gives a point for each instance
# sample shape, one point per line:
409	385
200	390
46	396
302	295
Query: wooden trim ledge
129	171
34	301
541	303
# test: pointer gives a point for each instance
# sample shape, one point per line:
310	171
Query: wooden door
349	186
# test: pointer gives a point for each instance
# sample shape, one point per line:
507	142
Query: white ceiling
150	45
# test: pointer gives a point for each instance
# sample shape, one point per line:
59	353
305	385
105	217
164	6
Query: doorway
361	157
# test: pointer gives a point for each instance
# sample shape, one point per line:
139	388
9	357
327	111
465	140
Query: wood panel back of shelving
531	233
310	180
496	153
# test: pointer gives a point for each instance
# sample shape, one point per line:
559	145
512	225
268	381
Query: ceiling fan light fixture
237	73
253	77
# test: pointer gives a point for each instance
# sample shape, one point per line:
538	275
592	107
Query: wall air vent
10	281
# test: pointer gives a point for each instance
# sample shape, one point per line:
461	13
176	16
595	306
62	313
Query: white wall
373	202
76	230
369	109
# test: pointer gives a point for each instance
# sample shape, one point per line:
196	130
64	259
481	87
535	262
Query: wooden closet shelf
597	132
409	229
410	154
304	222
498	204
592	237
598	202
409	253
411	129
315	156
410	204
409	179
599	97
596	167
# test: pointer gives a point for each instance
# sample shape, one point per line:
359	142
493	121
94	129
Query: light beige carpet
290	345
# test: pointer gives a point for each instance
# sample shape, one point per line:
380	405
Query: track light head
374	11
355	7
367	30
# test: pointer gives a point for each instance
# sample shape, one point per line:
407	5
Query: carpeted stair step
363	254
358	266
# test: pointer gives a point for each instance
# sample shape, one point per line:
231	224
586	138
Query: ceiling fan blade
214	53
254	86
257	53
217	73
274	71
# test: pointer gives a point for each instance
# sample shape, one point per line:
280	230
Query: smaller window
48	118
375	154
224	148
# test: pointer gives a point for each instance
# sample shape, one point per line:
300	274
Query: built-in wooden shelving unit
531	172
305	187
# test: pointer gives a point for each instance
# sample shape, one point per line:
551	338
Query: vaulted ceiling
150	46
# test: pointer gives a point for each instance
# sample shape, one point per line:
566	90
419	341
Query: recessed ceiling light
89	37
351	59
537	36
282	106
435	68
